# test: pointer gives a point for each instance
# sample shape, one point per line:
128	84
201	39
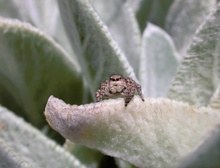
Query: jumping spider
117	86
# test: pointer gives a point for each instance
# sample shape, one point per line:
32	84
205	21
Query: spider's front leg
128	99
98	95
128	93
131	87
139	91
102	92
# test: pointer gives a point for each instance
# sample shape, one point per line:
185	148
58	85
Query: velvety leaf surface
215	100
9	158
123	164
159	62
8	9
42	14
99	55
92	158
89	157
32	67
184	18
31	145
198	75
122	24
154	11
207	155
142	10
154	133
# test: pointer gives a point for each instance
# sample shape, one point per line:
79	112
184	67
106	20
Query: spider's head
115	78
116	84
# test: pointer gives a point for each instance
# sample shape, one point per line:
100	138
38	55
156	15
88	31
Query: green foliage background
66	48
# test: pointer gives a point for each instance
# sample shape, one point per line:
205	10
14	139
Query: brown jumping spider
117	86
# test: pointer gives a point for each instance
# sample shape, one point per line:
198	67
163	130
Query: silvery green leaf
8	9
99	55
184	18
9	158
142	9
198	75
135	4
123	26
159	11
89	157
159	61
32	146
154	133
42	14
154	11
207	155
32	67
215	100
123	164
51	23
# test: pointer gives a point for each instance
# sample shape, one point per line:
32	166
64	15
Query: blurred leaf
135	4
143	10
159	12
8	9
9	158
207	155
198	75
154	11
215	100
123	164
89	157
159	62
184	18
99	55
122	24
32	67
42	14
154	133
31	145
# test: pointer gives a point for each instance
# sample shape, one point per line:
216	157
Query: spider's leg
139	91
128	92
102	92
128	99
98	95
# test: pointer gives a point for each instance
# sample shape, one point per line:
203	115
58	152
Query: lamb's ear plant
174	56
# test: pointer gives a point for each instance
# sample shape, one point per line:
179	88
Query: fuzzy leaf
198	75
8	9
122	24
215	100
142	9
99	55
154	11
42	14
33	66
9	158
123	164
89	157
154	133
207	155
159	62
32	145
184	18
